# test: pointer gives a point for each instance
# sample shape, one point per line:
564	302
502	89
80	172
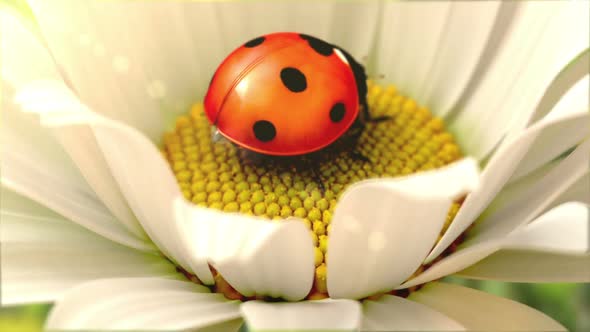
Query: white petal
553	248
457	261
496	174
330	315
254	255
17	207
43	256
541	40
430	49
531	267
578	192
12	202
146	181
35	165
81	145
141	173
469	254
52	101
553	142
528	199
171	49
93	54
24	58
350	25
383	229
140	304
26	140
568	92
564	88
577	92
406	45
392	313
479	311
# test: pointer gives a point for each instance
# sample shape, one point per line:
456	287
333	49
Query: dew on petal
377	241
121	64
350	224
99	50
179	106
156	89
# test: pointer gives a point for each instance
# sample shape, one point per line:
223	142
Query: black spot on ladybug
255	42
337	112
264	130
293	79
318	45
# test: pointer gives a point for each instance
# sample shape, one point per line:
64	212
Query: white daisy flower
97	221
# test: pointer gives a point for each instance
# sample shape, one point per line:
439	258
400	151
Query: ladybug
287	94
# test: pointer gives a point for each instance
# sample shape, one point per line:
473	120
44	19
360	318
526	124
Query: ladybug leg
318	179
312	162
355	132
381	118
368	118
359	156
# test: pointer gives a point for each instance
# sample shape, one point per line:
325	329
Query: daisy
103	214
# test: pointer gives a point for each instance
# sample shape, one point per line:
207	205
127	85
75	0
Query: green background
567	303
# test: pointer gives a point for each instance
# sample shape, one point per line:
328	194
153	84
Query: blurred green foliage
567	303
23	318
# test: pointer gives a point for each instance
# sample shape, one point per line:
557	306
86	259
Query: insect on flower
289	94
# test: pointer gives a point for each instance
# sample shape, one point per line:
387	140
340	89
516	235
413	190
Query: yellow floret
320	282
319	256
323	243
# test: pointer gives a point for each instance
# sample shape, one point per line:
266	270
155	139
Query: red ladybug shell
283	94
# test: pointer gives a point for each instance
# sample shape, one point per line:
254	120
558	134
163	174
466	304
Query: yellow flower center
219	176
